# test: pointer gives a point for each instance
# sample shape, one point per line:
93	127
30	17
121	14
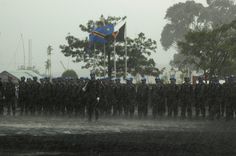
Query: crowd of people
104	97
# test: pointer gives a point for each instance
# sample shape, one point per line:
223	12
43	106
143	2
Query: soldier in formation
93	98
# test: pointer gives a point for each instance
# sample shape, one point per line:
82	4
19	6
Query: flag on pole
99	34
119	35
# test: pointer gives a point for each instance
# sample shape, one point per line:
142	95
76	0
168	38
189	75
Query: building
17	74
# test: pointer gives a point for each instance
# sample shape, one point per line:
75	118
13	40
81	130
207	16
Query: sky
47	22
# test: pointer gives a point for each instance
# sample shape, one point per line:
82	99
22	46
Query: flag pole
94	57
104	61
125	57
115	58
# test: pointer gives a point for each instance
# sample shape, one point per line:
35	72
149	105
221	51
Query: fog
47	22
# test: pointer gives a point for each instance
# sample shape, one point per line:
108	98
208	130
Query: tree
69	74
139	50
190	16
210	50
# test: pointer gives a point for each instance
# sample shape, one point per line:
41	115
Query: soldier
130	96
142	98
215	95
47	89
172	98
117	109
225	94
9	90
92	90
22	95
29	97
233	93
41	97
158	98
200	93
229	90
1	97
108	92
186	98
35	95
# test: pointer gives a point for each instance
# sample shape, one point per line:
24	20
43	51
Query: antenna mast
23	45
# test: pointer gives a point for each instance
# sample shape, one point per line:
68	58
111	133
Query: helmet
157	78
143	79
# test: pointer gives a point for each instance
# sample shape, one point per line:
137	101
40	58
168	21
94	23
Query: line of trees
204	36
139	51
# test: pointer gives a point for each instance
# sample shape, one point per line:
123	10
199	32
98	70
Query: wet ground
62	136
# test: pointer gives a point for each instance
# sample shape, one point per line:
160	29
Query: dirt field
38	136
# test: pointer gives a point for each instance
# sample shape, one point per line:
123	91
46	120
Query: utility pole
30	54
49	62
23	45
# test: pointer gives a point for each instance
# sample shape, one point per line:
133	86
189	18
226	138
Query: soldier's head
172	80
227	79
22	79
41	80
232	79
200	79
186	79
129	80
117	80
9	79
158	80
143	80
92	75
35	78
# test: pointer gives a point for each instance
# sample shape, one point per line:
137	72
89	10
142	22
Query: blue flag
99	34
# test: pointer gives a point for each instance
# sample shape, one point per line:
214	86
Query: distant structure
48	65
17	74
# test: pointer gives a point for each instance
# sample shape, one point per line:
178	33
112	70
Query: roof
22	73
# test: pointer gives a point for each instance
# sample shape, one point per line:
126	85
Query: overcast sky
49	21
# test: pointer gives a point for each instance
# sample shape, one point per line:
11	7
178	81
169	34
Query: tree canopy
211	50
139	51
69	74
192	16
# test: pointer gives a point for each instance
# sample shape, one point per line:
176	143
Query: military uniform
1	98
92	89
200	93
10	91
130	96
215	96
186	98
22	95
158	99
117	108
142	99
172	98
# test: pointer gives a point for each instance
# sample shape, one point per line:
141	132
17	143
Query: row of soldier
84	97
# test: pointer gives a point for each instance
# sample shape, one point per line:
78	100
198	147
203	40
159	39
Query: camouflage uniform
10	91
93	94
215	96
1	98
142	99
22	95
200	96
130	96
158	99
172	98
186	98
117	108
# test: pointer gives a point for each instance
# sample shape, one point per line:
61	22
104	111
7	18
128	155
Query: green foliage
192	16
211	50
139	51
69	74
